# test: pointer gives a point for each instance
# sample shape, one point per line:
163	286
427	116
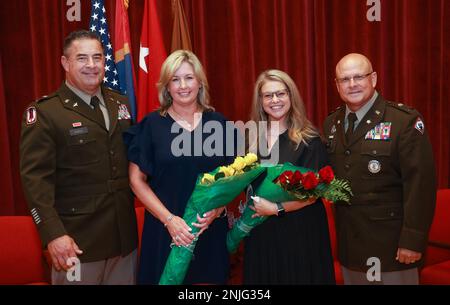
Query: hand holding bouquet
286	182
212	190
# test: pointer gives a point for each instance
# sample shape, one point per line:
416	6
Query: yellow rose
238	164
207	178
250	158
227	171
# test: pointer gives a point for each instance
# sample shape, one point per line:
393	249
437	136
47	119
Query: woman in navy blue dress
167	151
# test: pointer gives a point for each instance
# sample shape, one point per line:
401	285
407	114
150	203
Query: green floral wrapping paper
205	197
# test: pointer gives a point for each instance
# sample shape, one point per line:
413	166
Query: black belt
110	186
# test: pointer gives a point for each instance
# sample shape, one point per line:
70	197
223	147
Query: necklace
181	118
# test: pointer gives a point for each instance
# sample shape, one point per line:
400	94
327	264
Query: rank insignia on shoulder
381	131
31	115
333	111
123	112
419	125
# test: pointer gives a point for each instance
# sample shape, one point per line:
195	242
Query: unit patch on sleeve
419	125
31	115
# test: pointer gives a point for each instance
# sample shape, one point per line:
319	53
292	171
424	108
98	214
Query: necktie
95	102
351	125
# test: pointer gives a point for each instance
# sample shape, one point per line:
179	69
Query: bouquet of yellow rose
286	182
212	190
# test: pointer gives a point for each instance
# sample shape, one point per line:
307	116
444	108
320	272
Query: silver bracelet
168	219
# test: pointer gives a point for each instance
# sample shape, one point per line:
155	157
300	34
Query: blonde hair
300	129
168	69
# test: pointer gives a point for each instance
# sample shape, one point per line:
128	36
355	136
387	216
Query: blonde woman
163	173
292	246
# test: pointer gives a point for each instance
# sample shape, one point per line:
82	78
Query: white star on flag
143	52
151	56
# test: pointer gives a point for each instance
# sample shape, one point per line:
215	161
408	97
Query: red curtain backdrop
236	40
6	183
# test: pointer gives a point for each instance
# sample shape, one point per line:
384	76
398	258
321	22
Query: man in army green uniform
74	172
383	149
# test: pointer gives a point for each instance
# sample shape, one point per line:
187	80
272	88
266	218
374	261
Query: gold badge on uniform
374	166
419	125
31	115
123	112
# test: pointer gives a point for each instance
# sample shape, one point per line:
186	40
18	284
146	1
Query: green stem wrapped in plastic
204	198
336	190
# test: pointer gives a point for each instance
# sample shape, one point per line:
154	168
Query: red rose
297	177
288	176
282	179
309	181
326	174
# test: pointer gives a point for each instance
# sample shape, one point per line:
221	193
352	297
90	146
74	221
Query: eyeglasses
281	94
356	79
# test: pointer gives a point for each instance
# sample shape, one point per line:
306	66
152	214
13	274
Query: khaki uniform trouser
404	277
112	271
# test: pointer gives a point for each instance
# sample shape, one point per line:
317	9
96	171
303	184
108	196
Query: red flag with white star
151	56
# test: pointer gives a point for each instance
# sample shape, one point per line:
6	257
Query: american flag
99	25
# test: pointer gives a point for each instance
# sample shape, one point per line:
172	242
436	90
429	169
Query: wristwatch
281	210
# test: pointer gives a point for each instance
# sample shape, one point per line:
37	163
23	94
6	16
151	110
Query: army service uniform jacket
389	164
75	173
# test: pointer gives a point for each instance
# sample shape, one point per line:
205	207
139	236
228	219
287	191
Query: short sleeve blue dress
155	145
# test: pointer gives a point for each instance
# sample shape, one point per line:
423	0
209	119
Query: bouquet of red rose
310	184
212	190
286	182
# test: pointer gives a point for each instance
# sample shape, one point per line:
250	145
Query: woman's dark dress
172	179
294	249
